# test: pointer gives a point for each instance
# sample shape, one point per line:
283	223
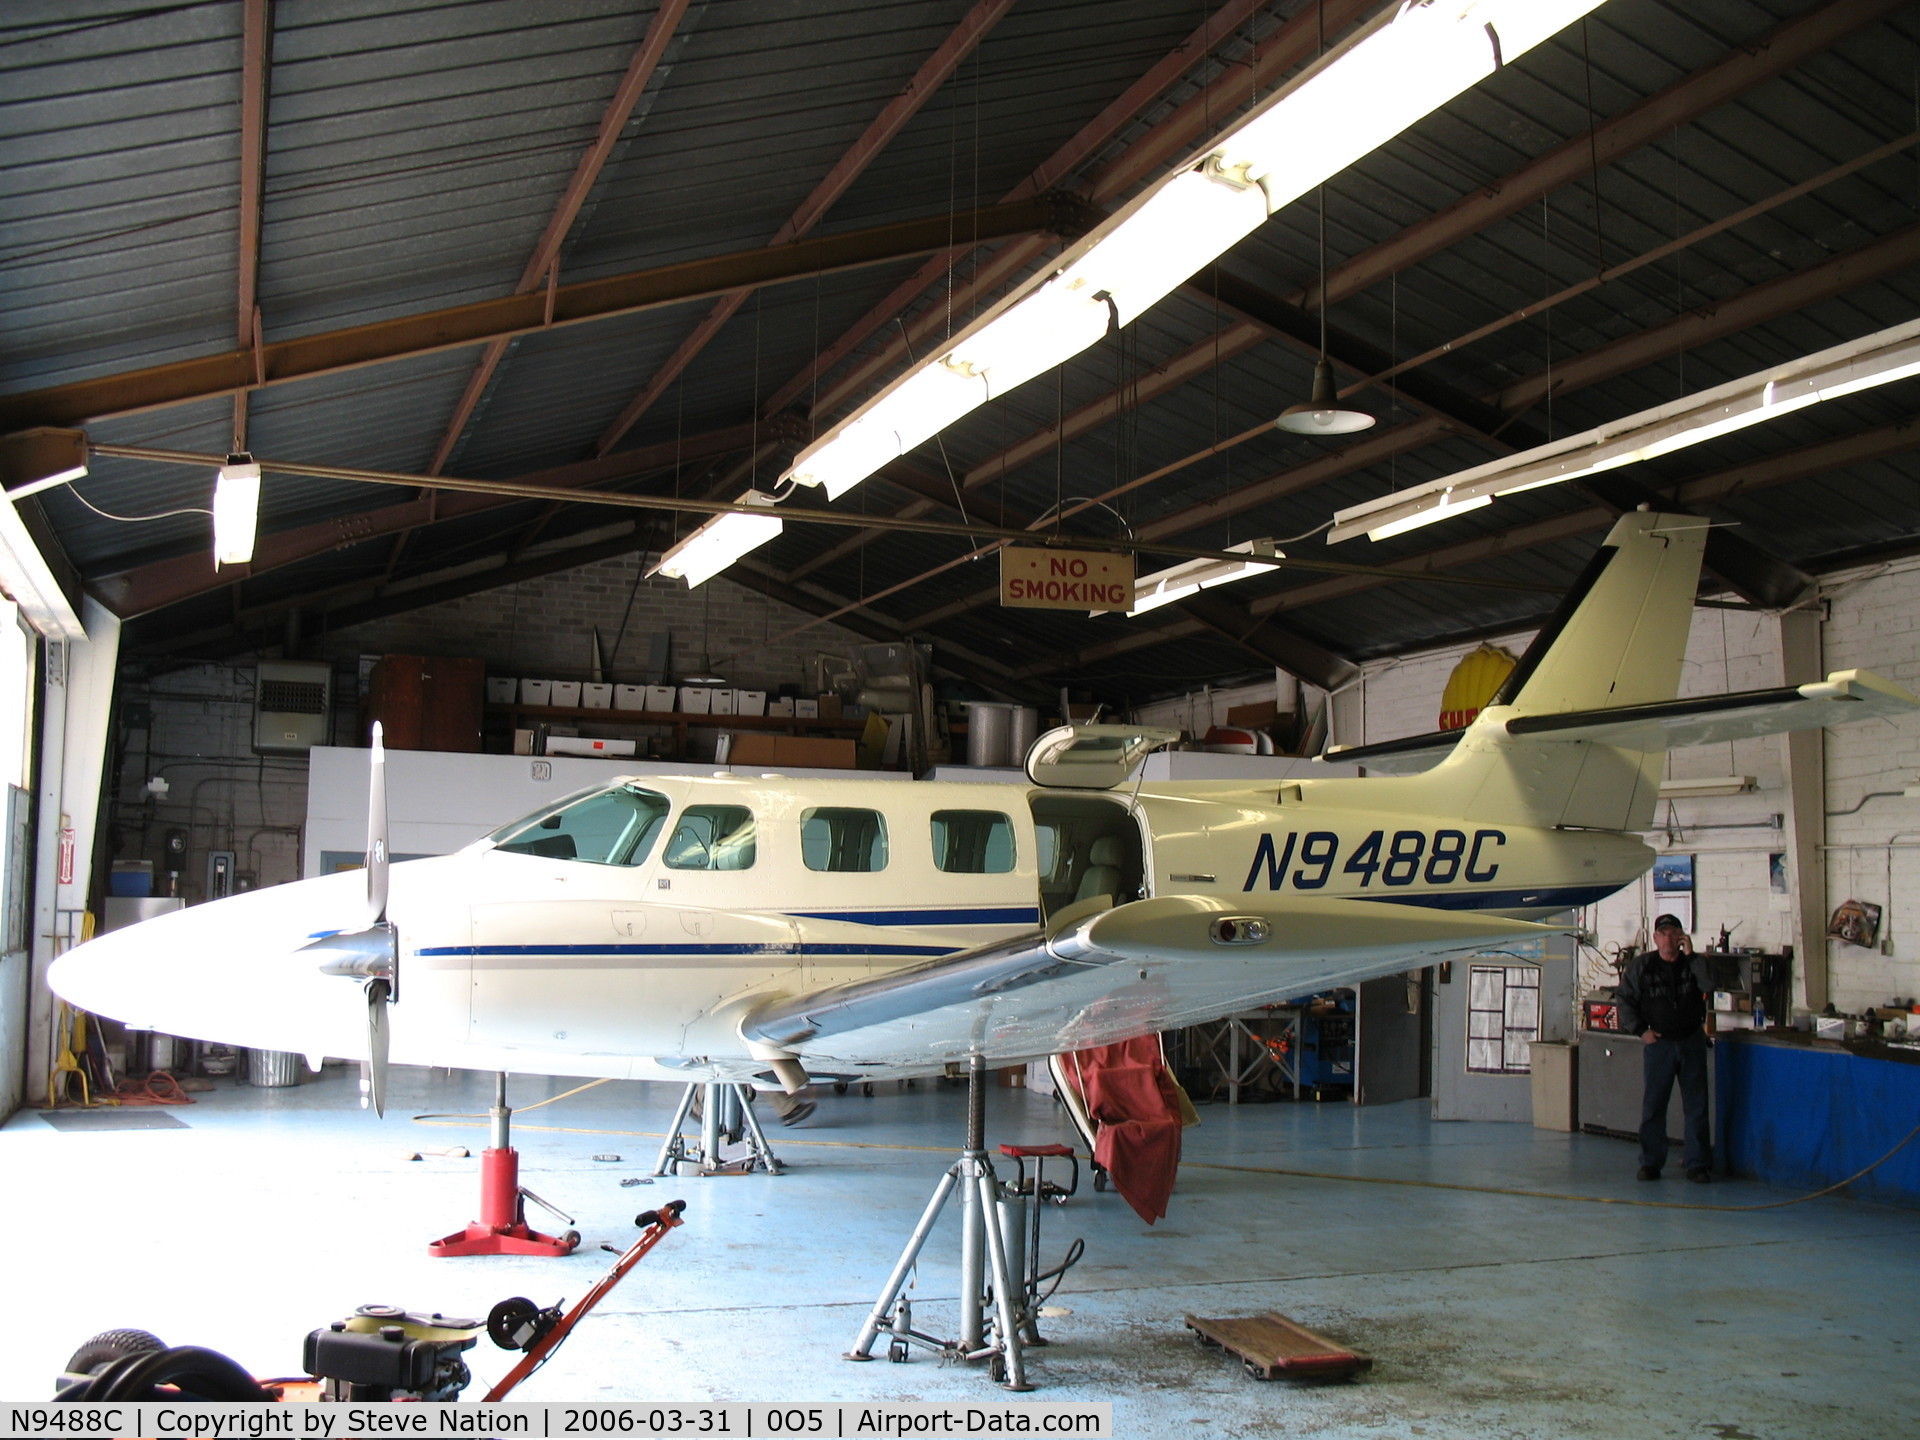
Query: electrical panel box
292	707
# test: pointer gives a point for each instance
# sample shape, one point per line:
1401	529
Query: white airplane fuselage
544	963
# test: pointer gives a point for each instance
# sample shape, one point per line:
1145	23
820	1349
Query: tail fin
1618	638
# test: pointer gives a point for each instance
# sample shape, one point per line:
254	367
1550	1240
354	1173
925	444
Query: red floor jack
502	1228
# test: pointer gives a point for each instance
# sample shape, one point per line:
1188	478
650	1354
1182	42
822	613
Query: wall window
712	837
972	842
606	827
1503	1019
834	837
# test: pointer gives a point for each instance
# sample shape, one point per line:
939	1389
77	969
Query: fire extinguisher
66	850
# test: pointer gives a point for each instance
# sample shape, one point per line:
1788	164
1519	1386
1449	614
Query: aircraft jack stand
726	1113
502	1228
986	1269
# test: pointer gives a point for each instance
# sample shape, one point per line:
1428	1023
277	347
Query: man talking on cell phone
1663	999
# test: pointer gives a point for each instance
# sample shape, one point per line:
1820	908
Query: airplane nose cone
236	970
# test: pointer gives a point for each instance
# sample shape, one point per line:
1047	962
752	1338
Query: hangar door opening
17	650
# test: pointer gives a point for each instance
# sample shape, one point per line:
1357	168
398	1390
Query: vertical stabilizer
1618	638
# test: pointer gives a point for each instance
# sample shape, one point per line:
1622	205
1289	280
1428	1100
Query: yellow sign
1066	579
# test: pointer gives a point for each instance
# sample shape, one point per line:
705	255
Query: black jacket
1669	997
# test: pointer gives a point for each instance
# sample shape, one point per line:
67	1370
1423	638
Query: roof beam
545	260
282	361
256	46
1742	68
1198	117
1050	172
181	577
1156	381
934	72
1273	643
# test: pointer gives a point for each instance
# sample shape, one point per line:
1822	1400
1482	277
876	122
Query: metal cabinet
1611	1086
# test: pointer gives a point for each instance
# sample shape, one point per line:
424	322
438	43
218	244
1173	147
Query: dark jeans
1663	1062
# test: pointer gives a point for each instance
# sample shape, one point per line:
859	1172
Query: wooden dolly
1271	1346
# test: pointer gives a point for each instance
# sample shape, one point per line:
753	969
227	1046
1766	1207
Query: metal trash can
273	1068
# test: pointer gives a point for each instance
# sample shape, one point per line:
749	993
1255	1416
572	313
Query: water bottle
1759	1014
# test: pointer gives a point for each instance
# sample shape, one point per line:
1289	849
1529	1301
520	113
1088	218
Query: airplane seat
1102	875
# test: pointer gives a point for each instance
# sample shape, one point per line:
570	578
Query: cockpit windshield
601	827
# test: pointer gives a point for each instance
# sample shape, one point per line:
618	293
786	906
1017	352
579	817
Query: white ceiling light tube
1190	577
718	543
1406	63
1877	359
236	510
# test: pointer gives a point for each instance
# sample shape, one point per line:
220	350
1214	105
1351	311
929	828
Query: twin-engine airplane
724	928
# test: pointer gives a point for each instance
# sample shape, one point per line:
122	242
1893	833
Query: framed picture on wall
1857	922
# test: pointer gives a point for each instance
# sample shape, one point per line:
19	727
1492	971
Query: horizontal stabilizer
1843	697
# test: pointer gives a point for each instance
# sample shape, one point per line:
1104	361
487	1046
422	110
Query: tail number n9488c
1402	857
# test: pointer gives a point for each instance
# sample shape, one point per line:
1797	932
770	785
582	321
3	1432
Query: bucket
273	1068
989	732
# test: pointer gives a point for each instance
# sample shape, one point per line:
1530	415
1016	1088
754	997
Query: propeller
371	953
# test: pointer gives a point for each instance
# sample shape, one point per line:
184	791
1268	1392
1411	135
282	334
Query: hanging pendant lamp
1322	413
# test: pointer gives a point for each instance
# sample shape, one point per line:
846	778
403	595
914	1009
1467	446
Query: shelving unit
525	717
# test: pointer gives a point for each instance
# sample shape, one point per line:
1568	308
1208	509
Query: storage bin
566	692
596	696
536	692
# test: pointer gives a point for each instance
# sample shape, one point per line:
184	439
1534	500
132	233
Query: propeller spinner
371	953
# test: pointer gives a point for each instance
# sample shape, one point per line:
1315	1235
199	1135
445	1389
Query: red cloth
1136	1112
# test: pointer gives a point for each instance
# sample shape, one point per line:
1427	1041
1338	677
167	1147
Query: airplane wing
1843	697
1192	958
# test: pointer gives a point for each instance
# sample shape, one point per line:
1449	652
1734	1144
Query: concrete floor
275	1211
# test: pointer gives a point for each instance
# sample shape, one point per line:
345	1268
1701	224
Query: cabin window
712	837
606	827
972	842
835	837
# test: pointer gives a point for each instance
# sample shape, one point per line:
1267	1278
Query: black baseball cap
1668	921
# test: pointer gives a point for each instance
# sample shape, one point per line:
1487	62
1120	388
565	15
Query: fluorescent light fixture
1190	577
236	509
1437	507
1713	785
41	458
1877	359
30	583
1408	61
718	543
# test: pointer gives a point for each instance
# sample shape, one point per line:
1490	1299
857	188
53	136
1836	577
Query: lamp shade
1323	414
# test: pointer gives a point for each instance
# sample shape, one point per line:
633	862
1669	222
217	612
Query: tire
111	1345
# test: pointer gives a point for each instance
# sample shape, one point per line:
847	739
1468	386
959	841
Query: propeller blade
377	1044
377	831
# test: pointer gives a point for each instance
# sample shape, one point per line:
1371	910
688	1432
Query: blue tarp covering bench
1807	1115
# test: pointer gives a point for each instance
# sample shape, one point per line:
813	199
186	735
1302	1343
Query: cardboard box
749	702
596	696
696	699
536	692
781	709
580	745
566	692
501	689
829	706
633	697
722	702
660	699
523	742
806	709
797	751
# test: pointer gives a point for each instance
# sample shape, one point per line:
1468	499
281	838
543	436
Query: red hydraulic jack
502	1228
